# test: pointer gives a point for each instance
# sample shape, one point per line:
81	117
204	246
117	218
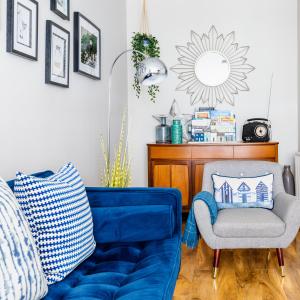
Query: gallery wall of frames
23	36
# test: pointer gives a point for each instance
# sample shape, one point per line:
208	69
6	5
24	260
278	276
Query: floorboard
243	275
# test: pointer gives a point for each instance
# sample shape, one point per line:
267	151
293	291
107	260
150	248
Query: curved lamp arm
109	96
150	71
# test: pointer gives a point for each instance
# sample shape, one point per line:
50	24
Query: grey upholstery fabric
251	222
286	208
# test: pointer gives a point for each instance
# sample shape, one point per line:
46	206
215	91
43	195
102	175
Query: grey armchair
249	227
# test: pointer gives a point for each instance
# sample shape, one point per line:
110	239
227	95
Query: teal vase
176	132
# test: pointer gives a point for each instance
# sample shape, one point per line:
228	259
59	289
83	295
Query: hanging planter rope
146	43
144	28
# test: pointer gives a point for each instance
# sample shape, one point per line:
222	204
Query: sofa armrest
138	198
287	207
203	220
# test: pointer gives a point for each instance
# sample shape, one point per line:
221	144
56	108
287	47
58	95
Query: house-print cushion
236	192
21	273
59	215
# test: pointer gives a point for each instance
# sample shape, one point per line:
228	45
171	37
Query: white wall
269	27
43	126
298	64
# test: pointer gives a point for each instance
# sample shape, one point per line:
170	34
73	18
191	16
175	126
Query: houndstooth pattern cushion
60	217
21	273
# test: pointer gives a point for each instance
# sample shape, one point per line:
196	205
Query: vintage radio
257	130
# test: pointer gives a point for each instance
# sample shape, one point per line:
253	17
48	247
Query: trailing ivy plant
147	44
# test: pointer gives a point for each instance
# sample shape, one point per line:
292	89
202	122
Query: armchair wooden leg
279	252
217	254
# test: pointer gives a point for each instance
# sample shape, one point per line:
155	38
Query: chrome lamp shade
151	71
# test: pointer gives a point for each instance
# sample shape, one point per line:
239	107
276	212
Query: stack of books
213	126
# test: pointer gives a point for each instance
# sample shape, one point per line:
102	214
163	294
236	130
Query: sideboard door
197	174
175	174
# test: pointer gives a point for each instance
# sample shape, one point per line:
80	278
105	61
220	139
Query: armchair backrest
245	168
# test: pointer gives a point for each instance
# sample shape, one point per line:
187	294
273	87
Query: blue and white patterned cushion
234	192
59	214
21	273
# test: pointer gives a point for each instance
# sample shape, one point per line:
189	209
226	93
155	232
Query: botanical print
62	5
59	56
24	25
87	38
88	48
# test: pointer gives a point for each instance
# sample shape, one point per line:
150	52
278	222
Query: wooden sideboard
181	166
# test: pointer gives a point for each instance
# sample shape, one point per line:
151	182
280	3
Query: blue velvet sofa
138	235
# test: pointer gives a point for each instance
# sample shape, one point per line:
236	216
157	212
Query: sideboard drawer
218	152
258	152
170	152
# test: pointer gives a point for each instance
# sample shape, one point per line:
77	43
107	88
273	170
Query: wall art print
22	28
57	55
61	8
87	47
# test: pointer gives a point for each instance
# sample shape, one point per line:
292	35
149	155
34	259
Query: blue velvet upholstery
119	224
127	270
43	174
128	264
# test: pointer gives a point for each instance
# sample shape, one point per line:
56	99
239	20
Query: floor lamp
151	71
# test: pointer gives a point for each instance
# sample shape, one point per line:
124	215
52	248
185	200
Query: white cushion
238	192
21	273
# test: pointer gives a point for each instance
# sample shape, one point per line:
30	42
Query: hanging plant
147	44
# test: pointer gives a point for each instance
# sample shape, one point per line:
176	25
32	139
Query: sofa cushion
60	218
127	271
133	223
21	273
248	223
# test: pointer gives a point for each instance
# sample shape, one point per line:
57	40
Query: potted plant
117	172
147	44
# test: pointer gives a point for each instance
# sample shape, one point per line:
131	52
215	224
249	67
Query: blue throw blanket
191	234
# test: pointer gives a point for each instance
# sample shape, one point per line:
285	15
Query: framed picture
22	28
57	55
61	8
87	47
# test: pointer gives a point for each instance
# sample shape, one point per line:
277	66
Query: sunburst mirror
212	68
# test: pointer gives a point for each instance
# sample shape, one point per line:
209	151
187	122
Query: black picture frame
54	8
11	47
49	59
78	17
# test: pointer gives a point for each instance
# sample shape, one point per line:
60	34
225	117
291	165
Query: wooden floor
243	275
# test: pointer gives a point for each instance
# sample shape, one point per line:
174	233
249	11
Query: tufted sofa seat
145	270
138	235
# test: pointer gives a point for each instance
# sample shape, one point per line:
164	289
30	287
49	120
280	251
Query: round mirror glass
212	68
